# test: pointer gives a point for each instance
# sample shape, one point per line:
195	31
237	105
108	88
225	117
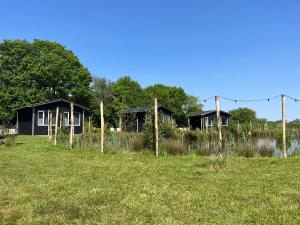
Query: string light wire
251	100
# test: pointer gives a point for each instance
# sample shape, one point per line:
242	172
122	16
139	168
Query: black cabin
34	119
207	119
134	119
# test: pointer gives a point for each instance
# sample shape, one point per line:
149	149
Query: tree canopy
243	115
39	71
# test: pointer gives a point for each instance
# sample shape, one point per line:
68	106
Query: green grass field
45	184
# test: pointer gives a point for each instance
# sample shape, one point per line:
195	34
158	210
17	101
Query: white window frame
44	113
53	118
41	124
226	124
68	123
79	117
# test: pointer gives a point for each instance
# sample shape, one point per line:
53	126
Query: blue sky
240	49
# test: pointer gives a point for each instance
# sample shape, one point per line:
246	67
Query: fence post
156	126
102	128
50	125
71	125
33	121
60	119
56	125
83	121
283	125
265	127
120	121
89	124
217	99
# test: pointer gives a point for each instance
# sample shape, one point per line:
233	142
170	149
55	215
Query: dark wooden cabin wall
25	121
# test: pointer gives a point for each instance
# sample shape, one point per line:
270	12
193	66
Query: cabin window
66	119
225	121
53	114
41	115
76	119
42	118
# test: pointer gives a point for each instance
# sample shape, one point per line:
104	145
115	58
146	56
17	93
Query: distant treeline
44	70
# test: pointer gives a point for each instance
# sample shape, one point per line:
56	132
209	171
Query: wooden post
217	99
89	124
156	126
60	119
50	126
201	124
238	127
56	125
137	124
265	126
17	125
206	124
71	125
102	128
48	123
120	121
189	123
83	122
283	126
33	121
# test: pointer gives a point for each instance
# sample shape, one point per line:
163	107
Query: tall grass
174	141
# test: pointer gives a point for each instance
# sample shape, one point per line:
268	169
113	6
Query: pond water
295	146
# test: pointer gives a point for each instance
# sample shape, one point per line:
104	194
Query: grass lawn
45	184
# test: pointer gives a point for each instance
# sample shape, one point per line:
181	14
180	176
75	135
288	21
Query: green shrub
10	140
63	135
278	138
149	131
166	130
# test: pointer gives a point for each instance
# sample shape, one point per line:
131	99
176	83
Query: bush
173	147
10	140
63	135
149	131
166	130
278	138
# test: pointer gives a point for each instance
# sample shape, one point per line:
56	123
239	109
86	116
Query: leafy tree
102	91
192	105
243	115
127	93
172	97
39	71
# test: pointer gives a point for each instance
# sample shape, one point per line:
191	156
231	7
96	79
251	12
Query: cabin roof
143	109
205	113
52	101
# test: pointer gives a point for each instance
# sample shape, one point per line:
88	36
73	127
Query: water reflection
295	146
